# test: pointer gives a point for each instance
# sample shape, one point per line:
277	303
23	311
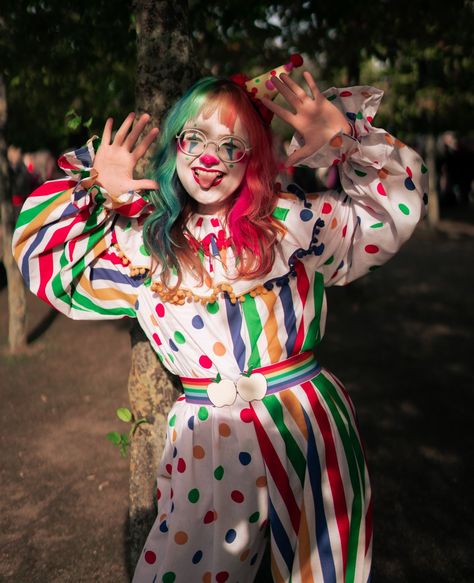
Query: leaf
124	414
114	437
74	123
87	124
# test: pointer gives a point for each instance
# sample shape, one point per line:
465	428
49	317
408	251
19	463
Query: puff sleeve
384	194
79	249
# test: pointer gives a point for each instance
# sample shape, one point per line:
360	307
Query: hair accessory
262	86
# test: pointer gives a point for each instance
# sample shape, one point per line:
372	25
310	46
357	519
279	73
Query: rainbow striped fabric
82	251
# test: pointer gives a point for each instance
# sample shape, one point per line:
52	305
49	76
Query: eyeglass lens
229	148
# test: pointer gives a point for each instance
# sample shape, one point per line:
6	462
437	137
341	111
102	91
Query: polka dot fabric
211	522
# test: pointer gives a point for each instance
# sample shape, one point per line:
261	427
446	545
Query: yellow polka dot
261	482
334	223
174	435
162	517
153	320
198	452
224	430
207	577
180	538
219	349
336	141
244	555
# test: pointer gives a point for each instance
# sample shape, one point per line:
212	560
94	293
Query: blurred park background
401	340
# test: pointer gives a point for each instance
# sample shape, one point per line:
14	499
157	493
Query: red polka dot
181	465
345	93
158	494
237	496
369	118
371	249
409	172
246	415
381	189
160	310
169	468
150	557
156	338
327	208
205	361
336	161
222	576
215	222
344	230
210	516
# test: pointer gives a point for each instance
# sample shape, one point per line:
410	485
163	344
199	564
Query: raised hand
116	161
314	117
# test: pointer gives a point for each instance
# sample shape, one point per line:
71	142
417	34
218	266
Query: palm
115	161
315	118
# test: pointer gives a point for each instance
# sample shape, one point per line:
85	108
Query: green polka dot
257	80
280	213
376	225
147	282
143	251
424	169
203	413
405	210
360	173
254	517
331	97
329	261
172	421
374	267
219	473
174	271
193	495
171	357
160	356
201	255
179	337
128	226
231	165
169	577
359	115
213	308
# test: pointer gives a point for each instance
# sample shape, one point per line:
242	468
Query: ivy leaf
114	437
124	414
87	124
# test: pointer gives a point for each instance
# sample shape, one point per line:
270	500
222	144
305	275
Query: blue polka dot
306	215
351	115
230	535
197	557
164	526
172	506
409	184
245	458
191	422
137	305
173	346
175	452
197	322
253	559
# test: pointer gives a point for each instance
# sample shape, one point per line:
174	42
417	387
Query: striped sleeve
383	197
67	244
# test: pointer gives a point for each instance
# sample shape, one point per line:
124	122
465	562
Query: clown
226	276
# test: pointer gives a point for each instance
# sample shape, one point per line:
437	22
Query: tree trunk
16	288
433	200
164	70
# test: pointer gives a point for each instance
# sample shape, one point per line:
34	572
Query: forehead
217	123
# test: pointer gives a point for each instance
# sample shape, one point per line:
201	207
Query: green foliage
124	440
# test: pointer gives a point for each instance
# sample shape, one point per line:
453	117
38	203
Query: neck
216	208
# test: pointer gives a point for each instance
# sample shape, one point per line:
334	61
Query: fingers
281	112
299	155
145	184
147	141
123	129
285	90
107	133
311	84
133	136
297	89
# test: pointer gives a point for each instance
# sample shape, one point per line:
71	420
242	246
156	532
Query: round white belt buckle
253	387
221	393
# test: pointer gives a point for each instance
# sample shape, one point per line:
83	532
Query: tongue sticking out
207	179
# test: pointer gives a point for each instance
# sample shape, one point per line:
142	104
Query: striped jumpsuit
290	465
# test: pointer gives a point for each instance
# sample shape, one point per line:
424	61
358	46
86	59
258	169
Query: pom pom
239	79
296	60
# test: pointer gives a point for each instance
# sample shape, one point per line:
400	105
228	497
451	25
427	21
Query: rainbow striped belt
262	381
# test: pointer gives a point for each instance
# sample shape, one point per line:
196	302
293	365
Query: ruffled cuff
78	164
359	105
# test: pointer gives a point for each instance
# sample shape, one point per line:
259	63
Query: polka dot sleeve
384	193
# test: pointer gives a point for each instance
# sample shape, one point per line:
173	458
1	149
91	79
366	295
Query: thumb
299	155
145	184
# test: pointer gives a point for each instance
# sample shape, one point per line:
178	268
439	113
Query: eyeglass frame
216	143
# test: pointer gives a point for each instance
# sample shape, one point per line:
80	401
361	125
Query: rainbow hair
252	229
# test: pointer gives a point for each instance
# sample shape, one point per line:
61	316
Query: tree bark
433	200
164	71
16	288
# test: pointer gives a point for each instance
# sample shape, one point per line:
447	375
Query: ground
399	340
